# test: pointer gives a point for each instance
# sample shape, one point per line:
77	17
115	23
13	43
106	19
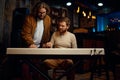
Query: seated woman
62	38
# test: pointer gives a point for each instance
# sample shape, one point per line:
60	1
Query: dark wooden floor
86	76
78	76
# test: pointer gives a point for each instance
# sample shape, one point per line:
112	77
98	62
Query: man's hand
32	46
48	45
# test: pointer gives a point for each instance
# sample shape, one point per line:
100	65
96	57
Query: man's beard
62	32
41	17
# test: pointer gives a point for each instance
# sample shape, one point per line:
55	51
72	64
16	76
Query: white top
38	32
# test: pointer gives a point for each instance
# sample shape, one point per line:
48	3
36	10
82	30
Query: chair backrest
17	23
112	44
112	40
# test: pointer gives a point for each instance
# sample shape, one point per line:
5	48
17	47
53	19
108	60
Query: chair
58	72
64	71
99	65
17	23
18	18
112	50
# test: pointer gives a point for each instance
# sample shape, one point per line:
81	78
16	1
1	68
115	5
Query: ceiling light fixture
68	3
100	4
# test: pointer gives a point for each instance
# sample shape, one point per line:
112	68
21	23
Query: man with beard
35	34
62	38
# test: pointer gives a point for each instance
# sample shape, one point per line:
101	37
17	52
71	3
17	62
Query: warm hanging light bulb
84	14
90	13
78	9
93	17
88	17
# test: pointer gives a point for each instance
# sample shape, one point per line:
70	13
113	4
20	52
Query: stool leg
106	70
93	70
57	73
26	72
71	75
